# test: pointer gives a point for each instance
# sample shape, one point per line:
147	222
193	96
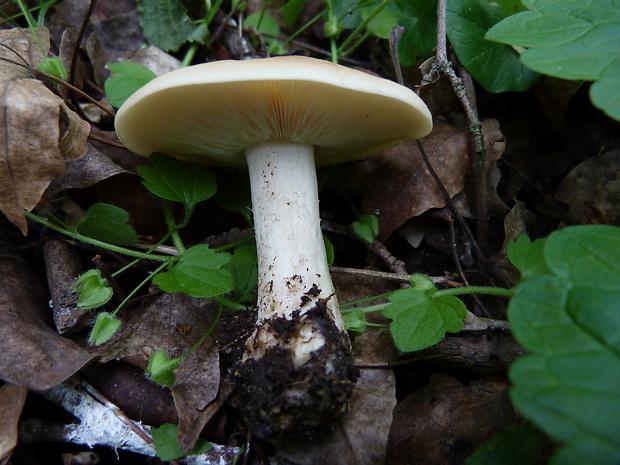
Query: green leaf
367	227
107	223
570	322
198	273
292	10
166	25
329	251
420	35
528	257
516	445
161	369
570	39
128	78
266	24
55	67
178	181
497	67
347	12
510	7
586	255
420	320
93	289
381	25
167	445
355	321
422	282
244	269
106	325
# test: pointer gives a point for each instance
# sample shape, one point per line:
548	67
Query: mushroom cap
210	113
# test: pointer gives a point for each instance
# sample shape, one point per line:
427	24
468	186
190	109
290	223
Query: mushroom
281	116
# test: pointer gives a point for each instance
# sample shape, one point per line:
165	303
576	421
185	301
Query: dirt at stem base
298	402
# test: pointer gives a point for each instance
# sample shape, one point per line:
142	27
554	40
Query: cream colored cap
209	113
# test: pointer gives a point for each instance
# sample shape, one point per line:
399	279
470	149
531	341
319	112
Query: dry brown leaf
12	399
38	131
156	328
33	354
592	190
445	422
402	187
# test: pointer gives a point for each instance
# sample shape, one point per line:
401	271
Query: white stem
292	266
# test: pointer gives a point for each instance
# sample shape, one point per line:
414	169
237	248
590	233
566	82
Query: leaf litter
439	405
38	131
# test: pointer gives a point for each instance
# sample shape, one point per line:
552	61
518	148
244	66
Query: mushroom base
284	400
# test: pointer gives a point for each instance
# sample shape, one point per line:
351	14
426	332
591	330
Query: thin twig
443	66
395	35
78	40
459	268
375	247
451	205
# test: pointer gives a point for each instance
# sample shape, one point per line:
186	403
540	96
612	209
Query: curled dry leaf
12	399
402	187
33	354
38	131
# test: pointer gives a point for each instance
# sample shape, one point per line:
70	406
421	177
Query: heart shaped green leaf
199	272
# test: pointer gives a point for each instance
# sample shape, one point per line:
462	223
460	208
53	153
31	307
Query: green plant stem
369	309
446	292
357	302
234	244
211	12
359	42
332	39
173	227
189	55
134	262
334	49
137	288
229	303
303	28
32	25
207	334
376	325
476	290
98	243
363	25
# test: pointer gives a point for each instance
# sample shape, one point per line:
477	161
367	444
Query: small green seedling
105	326
167	444
161	369
93	290
367	227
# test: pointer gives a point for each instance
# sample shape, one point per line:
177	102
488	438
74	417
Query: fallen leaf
592	190
84	172
38	131
33	354
441	423
402	187
12	399
155	328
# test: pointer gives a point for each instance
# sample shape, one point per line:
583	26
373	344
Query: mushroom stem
299	354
